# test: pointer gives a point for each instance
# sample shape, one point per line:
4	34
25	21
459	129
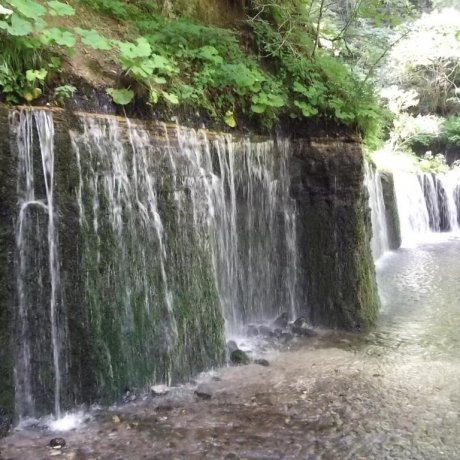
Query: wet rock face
327	184
391	210
239	357
281	321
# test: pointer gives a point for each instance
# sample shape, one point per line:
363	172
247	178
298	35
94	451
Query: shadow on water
391	393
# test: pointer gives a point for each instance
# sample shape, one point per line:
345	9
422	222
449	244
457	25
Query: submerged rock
262	362
239	357
57	443
281	321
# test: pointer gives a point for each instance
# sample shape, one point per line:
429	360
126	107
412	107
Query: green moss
7	192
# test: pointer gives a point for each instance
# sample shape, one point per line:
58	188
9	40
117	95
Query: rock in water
281	321
232	346
239	357
262	362
203	392
266	331
300	327
252	330
159	390
57	443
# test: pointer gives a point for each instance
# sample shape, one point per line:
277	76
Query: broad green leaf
258	108
28	8
171	98
306	109
60	9
93	39
30	95
229	119
209	53
32	75
159	80
275	100
59	36
121	96
135	50
19	27
4	25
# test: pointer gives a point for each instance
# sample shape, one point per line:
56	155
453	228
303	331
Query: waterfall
427	203
252	220
31	243
412	207
138	247
380	241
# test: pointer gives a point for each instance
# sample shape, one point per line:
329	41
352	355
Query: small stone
252	330
159	390
262	362
239	357
116	419
281	321
57	443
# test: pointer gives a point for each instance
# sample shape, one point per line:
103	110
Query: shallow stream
393	393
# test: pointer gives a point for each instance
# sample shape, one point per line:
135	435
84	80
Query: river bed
392	393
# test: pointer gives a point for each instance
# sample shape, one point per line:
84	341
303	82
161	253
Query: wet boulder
232	346
281	321
203	392
301	327
252	330
262	362
159	390
266	331
239	357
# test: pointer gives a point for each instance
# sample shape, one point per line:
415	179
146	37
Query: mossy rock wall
334	230
139	302
7	282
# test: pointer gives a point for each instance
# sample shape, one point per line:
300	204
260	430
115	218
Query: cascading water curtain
427	203
380	241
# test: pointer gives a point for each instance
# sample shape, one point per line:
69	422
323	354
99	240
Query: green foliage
64	92
316	83
179	61
121	96
25	37
93	39
450	131
433	163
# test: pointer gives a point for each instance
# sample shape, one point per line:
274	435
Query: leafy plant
121	96
64	92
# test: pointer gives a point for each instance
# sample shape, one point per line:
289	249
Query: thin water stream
392	393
